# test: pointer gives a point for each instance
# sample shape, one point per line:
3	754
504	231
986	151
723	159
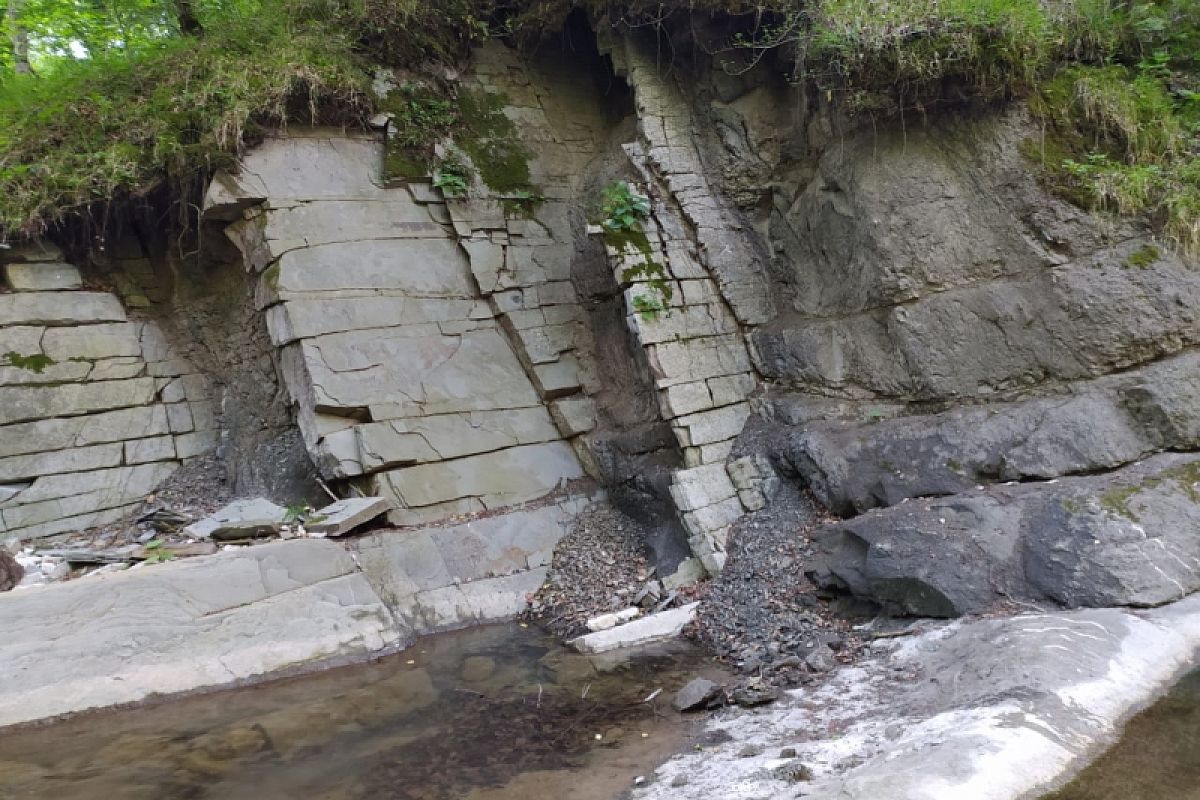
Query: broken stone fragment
697	695
606	621
344	516
242	519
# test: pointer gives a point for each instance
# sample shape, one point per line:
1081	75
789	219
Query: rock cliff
903	309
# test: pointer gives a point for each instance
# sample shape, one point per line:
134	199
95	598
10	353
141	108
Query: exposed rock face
433	346
914	314
1099	425
96	409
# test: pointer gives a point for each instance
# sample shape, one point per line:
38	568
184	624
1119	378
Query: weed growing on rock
623	212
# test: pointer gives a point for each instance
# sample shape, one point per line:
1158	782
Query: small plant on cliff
623	207
35	363
453	177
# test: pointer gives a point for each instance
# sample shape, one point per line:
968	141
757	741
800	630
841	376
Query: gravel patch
761	616
602	565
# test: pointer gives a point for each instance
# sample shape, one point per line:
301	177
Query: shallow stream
493	713
1157	758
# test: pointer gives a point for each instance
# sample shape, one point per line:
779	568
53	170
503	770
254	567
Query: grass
117	126
1115	83
1123	135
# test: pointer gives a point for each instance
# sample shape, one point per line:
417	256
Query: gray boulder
1127	538
696	695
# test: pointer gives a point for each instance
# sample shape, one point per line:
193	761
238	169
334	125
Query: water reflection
499	712
1158	757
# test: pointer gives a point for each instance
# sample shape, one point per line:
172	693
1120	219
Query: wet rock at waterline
11	572
1126	538
697	695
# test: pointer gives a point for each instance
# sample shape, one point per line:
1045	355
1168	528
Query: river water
1157	758
494	713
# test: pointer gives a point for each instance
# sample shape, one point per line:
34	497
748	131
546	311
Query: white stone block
716	425
714	517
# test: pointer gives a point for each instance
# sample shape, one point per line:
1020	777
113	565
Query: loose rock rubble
599	567
761	615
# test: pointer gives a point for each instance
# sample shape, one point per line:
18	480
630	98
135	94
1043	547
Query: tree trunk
189	23
19	36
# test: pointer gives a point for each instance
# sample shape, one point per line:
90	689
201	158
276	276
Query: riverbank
990	709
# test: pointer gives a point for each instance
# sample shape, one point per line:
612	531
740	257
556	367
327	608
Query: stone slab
436	438
45	276
185	625
399	375
55	308
92	342
75	459
440	562
652	628
305	319
344	516
131	482
413	267
27	403
241	519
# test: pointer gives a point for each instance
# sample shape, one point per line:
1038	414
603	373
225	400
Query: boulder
696	695
1125	538
11	572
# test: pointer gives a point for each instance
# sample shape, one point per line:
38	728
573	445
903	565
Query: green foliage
1125	136
453	177
491	139
124	103
623	208
1144	257
156	553
422	116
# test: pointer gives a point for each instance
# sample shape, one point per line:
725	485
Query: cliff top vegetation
112	100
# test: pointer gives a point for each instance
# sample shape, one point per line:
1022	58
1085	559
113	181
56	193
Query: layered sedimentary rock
401	366
96	410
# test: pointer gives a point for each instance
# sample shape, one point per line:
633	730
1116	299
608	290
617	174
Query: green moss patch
35	363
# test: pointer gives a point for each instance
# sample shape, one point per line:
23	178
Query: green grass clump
1124	136
123	123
